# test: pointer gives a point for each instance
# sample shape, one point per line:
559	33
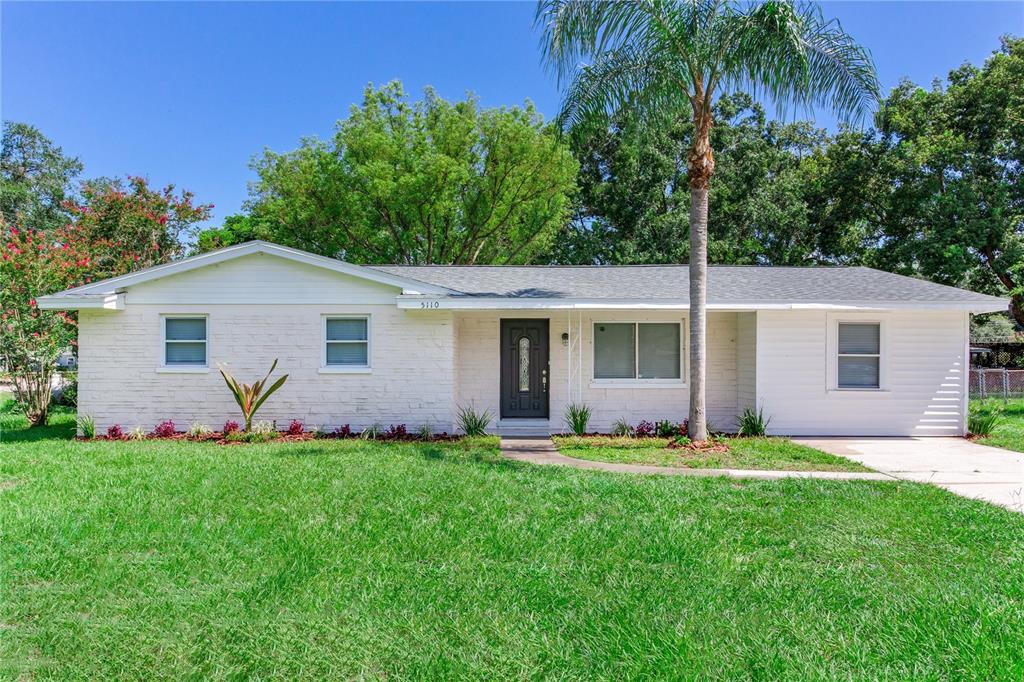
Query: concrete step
524	427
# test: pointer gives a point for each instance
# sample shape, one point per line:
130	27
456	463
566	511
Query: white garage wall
923	375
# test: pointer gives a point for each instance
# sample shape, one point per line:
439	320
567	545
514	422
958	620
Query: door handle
544	380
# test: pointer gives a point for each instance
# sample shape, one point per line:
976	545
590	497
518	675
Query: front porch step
524	427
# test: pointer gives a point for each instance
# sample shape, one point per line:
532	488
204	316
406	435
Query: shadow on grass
14	426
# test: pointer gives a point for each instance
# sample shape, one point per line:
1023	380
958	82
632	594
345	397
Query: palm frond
623	78
795	57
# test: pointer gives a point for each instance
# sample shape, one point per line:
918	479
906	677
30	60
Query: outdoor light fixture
565	338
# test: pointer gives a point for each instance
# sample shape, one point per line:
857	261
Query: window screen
348	341
859	355
185	341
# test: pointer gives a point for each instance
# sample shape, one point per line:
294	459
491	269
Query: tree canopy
419	182
36	178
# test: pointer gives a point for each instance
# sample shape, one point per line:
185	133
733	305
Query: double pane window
637	350
860	354
185	341
348	342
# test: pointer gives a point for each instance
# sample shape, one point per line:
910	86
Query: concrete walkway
956	464
543	451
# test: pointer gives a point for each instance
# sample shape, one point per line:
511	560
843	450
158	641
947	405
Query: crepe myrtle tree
670	58
34	263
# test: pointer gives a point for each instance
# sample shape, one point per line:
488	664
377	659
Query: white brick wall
412	381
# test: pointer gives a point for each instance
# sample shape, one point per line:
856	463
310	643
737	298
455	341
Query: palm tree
673	57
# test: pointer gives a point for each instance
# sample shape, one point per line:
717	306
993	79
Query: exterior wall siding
746	361
923	375
412	378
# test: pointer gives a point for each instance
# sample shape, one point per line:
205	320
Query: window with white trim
637	350
347	341
184	341
860	355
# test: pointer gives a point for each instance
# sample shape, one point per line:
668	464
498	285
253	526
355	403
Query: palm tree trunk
700	167
698	427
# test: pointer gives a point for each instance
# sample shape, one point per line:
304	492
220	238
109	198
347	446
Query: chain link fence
997	383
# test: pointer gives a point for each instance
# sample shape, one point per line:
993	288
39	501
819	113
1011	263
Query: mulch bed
703	446
218	438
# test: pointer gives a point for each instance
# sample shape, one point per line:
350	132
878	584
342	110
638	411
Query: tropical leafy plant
621	427
670	58
138	433
753	423
425	432
87	425
577	416
114	432
472	422
250	397
983	417
372	432
198	430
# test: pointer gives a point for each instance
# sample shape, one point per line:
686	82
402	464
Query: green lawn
1009	432
744	453
353	559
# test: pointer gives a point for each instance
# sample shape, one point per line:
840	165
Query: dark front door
524	368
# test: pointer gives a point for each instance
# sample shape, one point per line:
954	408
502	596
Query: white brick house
837	351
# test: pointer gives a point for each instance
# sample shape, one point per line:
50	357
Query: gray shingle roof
726	284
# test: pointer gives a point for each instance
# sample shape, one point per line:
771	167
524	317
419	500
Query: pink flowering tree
116	228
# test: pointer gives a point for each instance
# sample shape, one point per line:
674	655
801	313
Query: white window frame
833	355
636	382
346	369
183	368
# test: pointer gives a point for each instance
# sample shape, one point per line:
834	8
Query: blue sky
188	93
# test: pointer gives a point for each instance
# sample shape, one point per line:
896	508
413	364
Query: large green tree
36	178
952	161
420	182
675	57
770	201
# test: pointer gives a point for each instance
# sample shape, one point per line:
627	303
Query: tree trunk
697	427
699	169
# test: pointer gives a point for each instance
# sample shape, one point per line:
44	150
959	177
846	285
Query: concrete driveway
956	464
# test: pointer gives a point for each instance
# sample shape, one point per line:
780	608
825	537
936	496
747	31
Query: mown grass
353	559
1009	431
744	453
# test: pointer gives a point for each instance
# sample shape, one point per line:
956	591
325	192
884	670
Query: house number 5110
430	304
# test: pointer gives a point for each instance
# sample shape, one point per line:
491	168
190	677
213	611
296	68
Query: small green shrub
474	423
197	430
983	417
138	433
753	423
667	429
87	425
372	432
425	432
622	428
261	432
577	416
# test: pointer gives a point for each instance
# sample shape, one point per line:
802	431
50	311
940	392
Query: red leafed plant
230	426
114	432
164	429
295	428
